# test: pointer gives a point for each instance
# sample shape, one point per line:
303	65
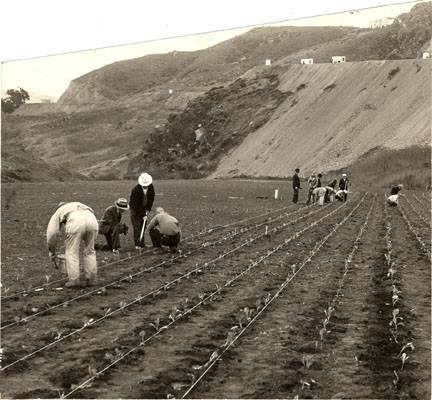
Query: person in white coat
78	223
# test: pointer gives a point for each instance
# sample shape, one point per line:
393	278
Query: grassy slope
381	168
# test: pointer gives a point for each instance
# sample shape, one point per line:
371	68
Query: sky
62	28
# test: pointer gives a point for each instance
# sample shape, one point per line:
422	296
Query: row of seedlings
416	232
180	312
129	277
249	315
396	322
62	335
30	288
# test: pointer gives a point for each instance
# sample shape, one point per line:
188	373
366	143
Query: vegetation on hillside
175	150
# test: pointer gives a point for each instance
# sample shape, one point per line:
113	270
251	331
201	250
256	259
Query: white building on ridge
306	61
338	59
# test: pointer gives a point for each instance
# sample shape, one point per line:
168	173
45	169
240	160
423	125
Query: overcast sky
38	28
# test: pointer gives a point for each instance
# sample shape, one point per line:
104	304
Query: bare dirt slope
337	114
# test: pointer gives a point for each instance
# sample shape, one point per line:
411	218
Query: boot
72	283
91	281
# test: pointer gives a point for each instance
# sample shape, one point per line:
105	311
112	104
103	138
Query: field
267	299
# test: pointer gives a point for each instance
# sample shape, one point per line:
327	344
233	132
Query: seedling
156	323
88	322
58	335
304	383
142	336
230	337
47	278
408	345
107	311
307	360
403	358
396	379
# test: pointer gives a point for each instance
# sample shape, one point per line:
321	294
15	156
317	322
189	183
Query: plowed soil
267	299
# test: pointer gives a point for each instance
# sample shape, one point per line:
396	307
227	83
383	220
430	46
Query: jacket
296	181
343	184
139	202
168	225
395	190
111	217
312	183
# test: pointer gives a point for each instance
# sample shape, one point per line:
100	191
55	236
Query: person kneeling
111	225
164	230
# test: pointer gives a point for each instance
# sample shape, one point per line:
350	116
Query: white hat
145	179
343	174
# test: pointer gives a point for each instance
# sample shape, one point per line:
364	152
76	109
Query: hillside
113	122
212	66
341	113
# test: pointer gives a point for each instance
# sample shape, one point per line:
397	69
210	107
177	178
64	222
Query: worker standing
296	185
78	223
312	182
164	230
343	185
140	204
111	225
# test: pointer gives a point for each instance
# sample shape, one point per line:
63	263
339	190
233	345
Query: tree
14	99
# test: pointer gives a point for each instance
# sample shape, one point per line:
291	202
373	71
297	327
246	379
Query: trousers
81	226
158	239
137	224
295	196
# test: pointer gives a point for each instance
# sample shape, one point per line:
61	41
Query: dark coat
110	219
140	204
343	184
395	190
296	182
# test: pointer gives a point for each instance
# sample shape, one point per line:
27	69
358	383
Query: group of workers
317	192
79	224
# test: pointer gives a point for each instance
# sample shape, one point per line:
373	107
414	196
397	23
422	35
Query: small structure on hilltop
170	91
268	62
426	54
306	61
338	59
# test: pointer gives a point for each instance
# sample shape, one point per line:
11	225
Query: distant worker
330	191
164	230
78	223
396	189
312	182
343	185
318	195
111	225
340	195
296	185
140	204
393	199
319	181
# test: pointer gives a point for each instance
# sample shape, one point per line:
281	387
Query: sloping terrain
117	120
338	113
21	165
212	66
